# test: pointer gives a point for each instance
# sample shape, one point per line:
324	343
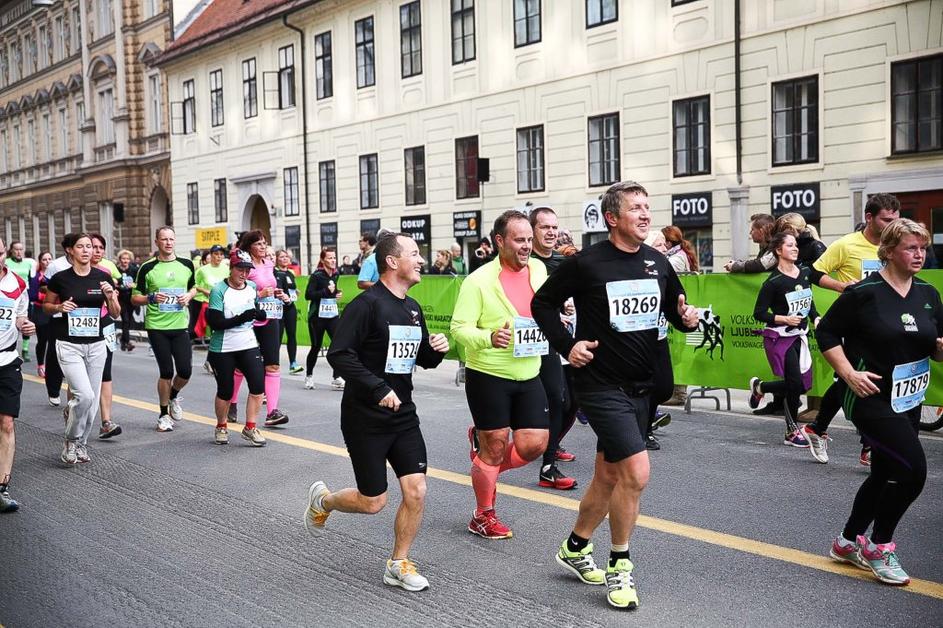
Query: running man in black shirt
381	337
620	287
879	337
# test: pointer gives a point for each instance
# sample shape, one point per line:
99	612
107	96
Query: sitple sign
801	198
692	210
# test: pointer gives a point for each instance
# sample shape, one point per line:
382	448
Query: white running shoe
315	514
818	445
54	402
338	383
402	573
176	412
165	424
221	436
254	436
208	368
309	382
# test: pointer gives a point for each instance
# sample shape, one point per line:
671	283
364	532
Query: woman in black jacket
285	279
810	246
322	293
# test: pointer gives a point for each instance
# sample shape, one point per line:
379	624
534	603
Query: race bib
634	305
127	280
328	308
909	385
293	294
272	307
402	349
870	266
528	339
84	322
799	302
6	313
172	304
111	338
662	326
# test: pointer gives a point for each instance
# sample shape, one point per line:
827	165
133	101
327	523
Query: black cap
217	249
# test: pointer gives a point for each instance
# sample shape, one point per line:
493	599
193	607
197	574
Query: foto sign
801	198
692	210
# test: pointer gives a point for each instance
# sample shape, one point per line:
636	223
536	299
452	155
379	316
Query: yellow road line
758	548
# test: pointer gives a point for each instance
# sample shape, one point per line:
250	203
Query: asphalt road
169	529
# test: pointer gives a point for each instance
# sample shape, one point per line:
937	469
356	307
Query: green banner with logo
724	352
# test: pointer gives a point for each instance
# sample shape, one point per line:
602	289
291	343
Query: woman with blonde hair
811	246
681	253
442	264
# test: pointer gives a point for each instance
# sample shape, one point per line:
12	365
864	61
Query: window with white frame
155	121
4	67
219	200
692	136
286	77
63	132
463	31
369	182
323	65
415	170
796	121
604	149
58	40
30	142
42	47
530	159
79	123
599	12
151	8
410	33
47	138
193	204
290	176
4	150
27	55
17	147
216	98
75	37
917	105
106	18
189	107
466	167
106	122
250	90
363	39
526	22
328	200
16	61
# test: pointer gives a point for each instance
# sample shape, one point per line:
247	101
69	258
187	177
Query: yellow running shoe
622	593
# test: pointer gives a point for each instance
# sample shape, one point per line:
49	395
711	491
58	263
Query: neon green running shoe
581	564
622	593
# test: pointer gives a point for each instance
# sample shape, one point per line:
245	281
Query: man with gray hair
620	287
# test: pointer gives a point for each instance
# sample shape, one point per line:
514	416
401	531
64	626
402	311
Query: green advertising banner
725	352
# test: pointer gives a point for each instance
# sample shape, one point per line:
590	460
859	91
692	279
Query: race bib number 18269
634	305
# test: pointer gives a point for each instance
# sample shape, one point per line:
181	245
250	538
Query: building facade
84	143
317	120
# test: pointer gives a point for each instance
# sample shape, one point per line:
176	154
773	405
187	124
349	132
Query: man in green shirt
166	284
207	276
25	268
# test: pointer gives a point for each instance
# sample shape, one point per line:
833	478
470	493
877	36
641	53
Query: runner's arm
549	300
344	354
764	303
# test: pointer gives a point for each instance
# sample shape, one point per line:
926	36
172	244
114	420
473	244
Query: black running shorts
270	342
369	453
619	420
496	403
11	386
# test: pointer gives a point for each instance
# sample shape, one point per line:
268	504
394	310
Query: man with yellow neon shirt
851	258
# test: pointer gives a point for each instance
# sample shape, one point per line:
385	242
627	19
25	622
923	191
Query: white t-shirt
10	310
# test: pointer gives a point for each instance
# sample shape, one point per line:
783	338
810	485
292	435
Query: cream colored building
828	100
83	122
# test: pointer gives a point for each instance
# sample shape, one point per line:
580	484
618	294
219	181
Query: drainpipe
736	82
304	127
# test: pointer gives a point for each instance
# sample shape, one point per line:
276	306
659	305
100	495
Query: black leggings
54	375
316	328
288	326
570	401
43	336
663	381
194	306
127	312
172	350
249	363
551	376
790	386
831	403
898	473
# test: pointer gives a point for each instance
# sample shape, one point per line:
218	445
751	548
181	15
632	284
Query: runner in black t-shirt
380	338
79	293
785	304
620	287
546	228
879	336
